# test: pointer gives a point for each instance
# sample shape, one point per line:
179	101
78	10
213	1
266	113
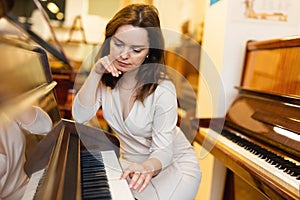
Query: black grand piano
72	161
258	140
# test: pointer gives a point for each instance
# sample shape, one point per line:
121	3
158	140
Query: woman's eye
137	50
118	44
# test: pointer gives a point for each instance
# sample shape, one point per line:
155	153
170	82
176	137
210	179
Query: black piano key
94	182
93	179
98	193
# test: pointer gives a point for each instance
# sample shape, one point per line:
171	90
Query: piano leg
236	188
229	186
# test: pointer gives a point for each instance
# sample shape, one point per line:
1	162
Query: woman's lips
122	64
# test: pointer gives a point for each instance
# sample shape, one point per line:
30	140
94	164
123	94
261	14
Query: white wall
74	8
174	13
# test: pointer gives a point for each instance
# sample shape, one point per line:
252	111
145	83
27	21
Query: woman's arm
86	102
87	94
35	120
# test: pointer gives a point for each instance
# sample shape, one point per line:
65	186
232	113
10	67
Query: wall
181	11
103	8
174	13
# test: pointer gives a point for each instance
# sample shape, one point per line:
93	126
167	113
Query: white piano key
120	190
33	184
112	165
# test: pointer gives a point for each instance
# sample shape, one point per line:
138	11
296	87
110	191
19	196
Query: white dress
13	179
150	131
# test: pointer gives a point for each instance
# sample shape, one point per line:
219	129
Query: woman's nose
125	53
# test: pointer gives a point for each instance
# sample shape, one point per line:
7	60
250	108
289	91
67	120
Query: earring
147	56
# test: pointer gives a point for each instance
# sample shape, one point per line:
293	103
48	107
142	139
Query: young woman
139	102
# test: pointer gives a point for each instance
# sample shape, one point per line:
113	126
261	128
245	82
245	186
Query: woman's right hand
106	65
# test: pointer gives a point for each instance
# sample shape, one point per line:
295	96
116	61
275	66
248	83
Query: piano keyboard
273	167
100	173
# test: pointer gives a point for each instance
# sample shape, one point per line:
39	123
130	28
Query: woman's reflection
13	178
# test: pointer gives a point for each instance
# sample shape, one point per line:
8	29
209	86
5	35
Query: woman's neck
128	79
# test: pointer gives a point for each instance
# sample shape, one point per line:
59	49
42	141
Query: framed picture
267	11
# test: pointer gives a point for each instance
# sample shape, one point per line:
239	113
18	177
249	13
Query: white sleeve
41	124
83	114
164	125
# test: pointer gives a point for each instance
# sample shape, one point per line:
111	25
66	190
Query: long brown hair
153	69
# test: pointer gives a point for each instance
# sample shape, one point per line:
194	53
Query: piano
72	161
258	140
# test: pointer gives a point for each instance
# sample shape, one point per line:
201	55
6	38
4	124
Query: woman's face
129	47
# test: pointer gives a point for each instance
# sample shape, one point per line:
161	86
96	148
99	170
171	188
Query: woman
139	103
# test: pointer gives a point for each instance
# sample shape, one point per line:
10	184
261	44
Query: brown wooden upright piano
258	140
72	161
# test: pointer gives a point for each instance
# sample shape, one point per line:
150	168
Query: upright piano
258	140
72	161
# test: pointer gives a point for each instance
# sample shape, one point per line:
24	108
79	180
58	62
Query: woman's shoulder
166	88
166	85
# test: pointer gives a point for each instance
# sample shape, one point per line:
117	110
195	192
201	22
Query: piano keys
100	171
116	189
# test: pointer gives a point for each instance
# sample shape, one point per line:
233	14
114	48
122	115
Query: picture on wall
279	11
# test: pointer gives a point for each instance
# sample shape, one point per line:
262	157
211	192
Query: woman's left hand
140	175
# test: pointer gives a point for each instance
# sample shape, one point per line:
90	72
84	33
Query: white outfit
13	178
150	131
